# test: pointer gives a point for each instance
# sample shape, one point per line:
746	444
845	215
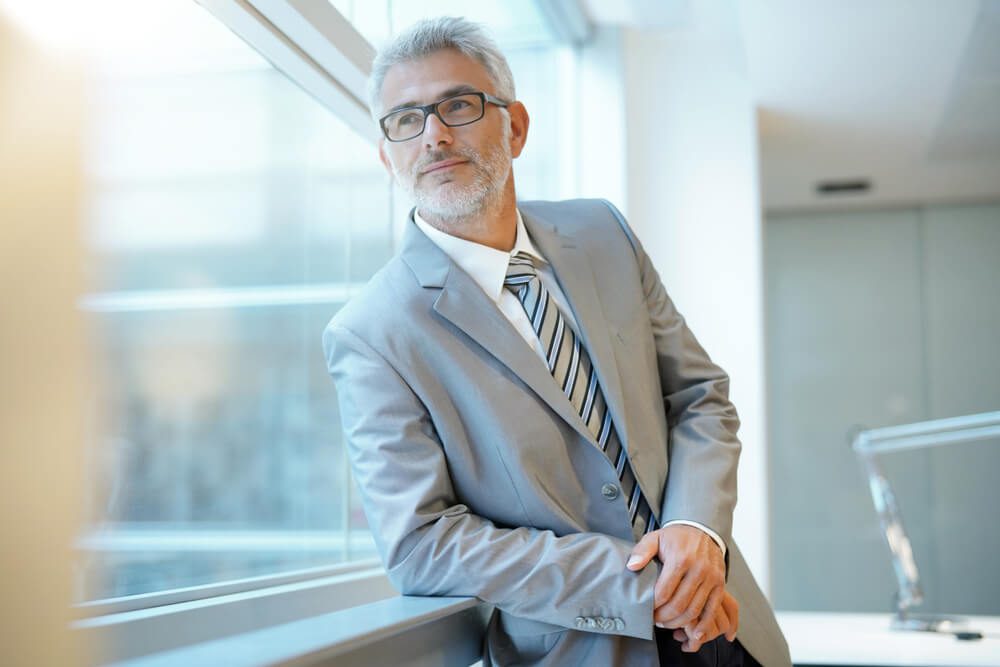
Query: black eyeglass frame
432	108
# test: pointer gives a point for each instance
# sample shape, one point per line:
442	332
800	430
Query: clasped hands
690	594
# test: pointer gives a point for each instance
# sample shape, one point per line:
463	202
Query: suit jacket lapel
465	305
573	271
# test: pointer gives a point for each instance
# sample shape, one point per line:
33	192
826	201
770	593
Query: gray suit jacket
477	476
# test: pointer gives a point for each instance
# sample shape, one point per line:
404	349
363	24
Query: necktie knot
520	271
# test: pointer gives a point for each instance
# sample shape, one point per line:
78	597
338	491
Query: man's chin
450	201
447	211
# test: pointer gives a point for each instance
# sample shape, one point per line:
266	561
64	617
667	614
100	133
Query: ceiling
902	93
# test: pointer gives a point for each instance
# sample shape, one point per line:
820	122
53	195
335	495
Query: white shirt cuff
711	533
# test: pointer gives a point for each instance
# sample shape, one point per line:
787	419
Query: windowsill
153	631
399	630
112	609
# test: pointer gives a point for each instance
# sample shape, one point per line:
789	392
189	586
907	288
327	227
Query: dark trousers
717	653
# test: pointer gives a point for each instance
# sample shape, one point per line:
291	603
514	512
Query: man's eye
457	105
407	119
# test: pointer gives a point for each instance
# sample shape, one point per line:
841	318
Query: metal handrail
868	444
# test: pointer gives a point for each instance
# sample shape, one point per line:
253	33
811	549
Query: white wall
692	197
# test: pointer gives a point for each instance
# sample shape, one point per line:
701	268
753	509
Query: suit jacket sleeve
431	544
703	449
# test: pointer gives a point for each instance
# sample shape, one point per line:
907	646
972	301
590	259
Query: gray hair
432	35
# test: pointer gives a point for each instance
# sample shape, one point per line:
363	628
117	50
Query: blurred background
191	191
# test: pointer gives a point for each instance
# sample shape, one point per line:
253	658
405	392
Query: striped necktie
570	365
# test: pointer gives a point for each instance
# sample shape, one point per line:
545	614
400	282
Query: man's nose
436	133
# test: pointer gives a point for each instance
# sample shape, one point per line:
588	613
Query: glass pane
228	217
513	23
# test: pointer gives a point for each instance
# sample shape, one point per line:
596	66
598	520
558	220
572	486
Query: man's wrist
705	529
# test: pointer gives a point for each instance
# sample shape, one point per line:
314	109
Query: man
515	383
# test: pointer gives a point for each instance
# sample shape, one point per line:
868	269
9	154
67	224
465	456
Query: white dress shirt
488	268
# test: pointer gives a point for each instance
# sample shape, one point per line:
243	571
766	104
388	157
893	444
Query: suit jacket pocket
527	641
516	626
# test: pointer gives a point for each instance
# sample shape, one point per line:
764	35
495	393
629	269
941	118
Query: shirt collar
485	265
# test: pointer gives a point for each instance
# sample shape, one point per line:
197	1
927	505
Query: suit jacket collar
463	303
428	262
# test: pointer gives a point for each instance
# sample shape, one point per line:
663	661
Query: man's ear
518	127
384	157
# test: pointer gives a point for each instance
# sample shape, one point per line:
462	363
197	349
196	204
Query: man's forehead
432	77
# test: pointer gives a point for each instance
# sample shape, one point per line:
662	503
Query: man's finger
732	608
643	552
724	623
696	606
686	605
721	623
693	645
677	604
709	617
666	585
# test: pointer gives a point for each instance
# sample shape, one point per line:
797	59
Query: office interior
190	190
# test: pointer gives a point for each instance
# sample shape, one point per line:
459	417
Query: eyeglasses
464	109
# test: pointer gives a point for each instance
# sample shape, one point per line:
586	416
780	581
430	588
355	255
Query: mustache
438	155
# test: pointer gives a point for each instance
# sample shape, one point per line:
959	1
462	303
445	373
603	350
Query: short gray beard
459	205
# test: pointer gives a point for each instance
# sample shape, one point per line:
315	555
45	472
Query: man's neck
494	225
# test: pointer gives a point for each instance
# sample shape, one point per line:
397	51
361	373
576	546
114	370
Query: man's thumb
643	552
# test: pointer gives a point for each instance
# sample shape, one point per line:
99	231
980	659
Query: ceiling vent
856	186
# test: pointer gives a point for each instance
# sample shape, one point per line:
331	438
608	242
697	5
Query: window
229	216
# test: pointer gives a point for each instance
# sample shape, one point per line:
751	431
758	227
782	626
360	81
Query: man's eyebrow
454	90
